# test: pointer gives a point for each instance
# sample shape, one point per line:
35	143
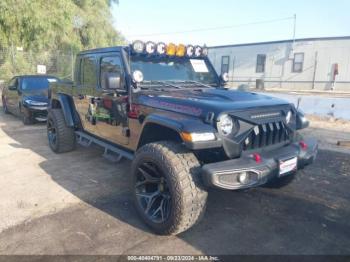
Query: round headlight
138	47
288	117
225	125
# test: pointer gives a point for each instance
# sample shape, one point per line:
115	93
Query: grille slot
266	135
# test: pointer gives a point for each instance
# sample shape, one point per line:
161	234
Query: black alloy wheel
51	133
152	192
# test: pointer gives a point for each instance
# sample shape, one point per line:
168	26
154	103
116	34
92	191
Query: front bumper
37	112
225	175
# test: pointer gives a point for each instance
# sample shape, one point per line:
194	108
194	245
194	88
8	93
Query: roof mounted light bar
151	48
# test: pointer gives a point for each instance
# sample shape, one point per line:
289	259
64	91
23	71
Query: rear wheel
61	137
167	189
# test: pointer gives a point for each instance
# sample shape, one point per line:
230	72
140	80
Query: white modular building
300	64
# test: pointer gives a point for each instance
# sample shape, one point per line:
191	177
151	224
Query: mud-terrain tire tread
189	193
66	139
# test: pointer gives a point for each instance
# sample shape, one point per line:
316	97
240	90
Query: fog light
243	178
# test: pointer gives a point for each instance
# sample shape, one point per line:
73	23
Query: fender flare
66	108
184	124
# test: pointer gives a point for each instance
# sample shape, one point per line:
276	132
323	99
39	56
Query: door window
110	65
88	73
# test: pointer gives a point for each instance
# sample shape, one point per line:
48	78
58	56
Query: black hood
39	95
199	102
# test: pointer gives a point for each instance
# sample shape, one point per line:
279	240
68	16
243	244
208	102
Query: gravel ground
79	203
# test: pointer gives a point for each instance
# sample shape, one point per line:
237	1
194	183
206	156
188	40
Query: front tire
4	106
27	120
61	137
168	192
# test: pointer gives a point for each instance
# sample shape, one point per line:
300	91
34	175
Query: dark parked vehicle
164	107
27	96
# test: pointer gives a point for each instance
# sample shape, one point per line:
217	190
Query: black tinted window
88	77
110	66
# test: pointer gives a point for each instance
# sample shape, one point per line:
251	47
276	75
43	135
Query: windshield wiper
191	82
163	83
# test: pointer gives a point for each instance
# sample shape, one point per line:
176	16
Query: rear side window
13	82
110	65
88	72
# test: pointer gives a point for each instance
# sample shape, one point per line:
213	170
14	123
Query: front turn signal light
197	137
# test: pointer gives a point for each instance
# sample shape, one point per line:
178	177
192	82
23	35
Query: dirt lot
79	203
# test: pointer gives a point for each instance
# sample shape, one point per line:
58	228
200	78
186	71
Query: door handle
80	96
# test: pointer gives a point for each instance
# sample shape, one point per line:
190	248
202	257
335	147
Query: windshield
175	69
35	83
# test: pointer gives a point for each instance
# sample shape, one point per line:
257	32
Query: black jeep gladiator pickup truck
165	108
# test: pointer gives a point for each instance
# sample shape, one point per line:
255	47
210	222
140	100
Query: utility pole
294	28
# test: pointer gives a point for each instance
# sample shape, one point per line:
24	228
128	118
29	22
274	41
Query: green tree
42	27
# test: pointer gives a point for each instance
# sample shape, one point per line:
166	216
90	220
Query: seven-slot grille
266	135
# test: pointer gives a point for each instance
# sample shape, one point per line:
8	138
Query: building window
260	63
298	62
225	64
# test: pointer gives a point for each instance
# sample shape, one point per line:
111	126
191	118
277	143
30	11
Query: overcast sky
136	19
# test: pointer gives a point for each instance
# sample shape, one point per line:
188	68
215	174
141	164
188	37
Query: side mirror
13	88
112	80
302	121
224	78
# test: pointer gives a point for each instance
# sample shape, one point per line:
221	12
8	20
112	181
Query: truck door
102	110
110	107
85	90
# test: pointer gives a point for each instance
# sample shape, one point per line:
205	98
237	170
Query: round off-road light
190	50
138	46
171	49
198	51
161	48
225	77
137	76
205	51
288	117
150	47
180	50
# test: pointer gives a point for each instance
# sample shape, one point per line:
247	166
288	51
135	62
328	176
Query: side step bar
112	153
